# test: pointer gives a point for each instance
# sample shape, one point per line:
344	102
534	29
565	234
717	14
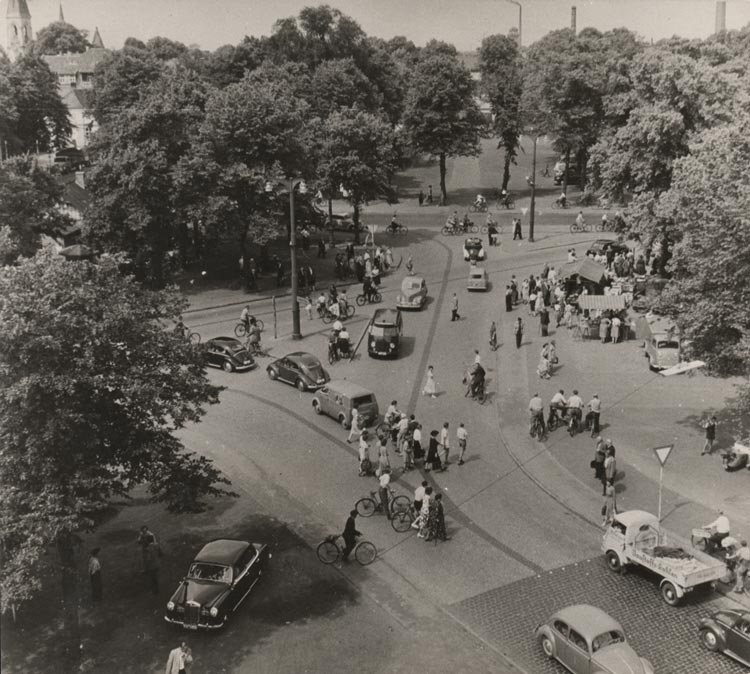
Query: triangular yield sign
662	453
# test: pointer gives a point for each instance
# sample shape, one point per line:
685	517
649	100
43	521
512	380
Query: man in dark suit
350	534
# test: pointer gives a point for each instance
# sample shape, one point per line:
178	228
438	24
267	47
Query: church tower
18	26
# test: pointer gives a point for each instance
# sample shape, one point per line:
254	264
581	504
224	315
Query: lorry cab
384	333
338	398
661	341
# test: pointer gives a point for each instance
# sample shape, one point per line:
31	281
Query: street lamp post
520	14
533	191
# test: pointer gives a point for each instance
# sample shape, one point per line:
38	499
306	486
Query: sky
212	23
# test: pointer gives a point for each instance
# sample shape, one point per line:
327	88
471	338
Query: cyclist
476	382
180	329
562	200
395	224
719	529
343	302
338	326
343	344
321	302
480	202
333	339
253	335
557	404
575	405
367	290
605	222
536	410
580	220
466	223
245	317
334	309
350	535
491	229
452	221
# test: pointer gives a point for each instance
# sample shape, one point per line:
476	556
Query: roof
18	8
385	316
631	517
222	551
584	268
478	272
79	98
589	621
660	324
97	41
74	195
226	341
304	358
602	302
71	64
347	388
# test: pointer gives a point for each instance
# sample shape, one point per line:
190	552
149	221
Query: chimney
721	16
81	179
573	19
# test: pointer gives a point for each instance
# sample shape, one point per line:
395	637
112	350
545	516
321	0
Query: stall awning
584	268
602	302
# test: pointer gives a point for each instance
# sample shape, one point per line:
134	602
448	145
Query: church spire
61	18
18	27
96	41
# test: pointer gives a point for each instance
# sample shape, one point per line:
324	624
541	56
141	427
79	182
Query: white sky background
212	23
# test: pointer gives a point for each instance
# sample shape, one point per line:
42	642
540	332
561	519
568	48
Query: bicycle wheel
446	231
331	358
365	553
328	552
473	208
377	297
349	310
473	229
240	330
361	300
261	325
403	230
195	338
401	521
483	229
574	228
400	503
327	317
599	227
366	507
510	204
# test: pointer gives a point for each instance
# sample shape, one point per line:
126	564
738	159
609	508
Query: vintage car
585	640
339	397
473	249
299	369
413	293
477	278
660	340
229	354
727	631
222	574
384	333
601	246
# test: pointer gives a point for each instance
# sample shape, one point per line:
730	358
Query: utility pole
520	16
533	190
296	334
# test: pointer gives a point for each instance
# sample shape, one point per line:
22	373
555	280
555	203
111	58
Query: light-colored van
661	341
338	398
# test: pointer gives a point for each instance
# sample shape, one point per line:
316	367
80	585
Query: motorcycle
736	459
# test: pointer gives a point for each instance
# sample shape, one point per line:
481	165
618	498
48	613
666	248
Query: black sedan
728	631
601	246
222	574
299	369
229	354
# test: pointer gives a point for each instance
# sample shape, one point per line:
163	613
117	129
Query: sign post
662	454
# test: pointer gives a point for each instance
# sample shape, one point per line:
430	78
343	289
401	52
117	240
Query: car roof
303	357
347	387
636	517
589	621
477	271
387	315
225	341
222	551
661	324
413	277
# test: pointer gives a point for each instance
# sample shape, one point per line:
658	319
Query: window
577	640
560	627
607	639
743	626
212	572
361	400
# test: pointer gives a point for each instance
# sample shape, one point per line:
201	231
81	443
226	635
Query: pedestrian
354	429
311	277
610	471
179	659
552	355
384	492
302	277
544	322
514	290
592	418
433	456
309	307
350	535
429	194
144	537
609	508
742	568
508	298
429	386
151	561
454	308
517	229
436	520
95	575
616	323
420	198
279	271
365	465
321	247
424	513
416	443
445	447
525	291
518	331
384	462
710	426
597	463
419	493
604	325
463	435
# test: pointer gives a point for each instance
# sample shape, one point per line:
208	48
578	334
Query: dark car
229	354
601	246
299	369
473	250
220	577
384	333
728	631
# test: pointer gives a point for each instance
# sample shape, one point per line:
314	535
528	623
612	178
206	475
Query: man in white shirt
720	529
364	453
419	496
592	418
385	480
355	429
463	435
536	410
445	444
179	659
575	405
403	427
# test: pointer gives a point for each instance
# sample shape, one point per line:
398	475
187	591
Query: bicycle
255	349
478	208
537	427
560	204
448	230
397	229
329	317
330	551
241	329
575	228
375	298
185	333
485	230
369	505
574	426
508	203
335	354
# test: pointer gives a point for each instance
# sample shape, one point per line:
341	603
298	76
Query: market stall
584	275
592	308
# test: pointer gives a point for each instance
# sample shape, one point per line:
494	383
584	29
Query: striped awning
602	302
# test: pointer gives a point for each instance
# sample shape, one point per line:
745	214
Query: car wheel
669	594
272	374
613	562
342	421
301	385
227	366
316	407
709	640
547	646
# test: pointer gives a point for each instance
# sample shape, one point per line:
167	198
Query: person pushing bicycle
350	535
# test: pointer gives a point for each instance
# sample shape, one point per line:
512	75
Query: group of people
430	514
566	409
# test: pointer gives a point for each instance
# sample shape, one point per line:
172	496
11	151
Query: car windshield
413	285
667	345
477	274
383	331
213	572
607	639
362	400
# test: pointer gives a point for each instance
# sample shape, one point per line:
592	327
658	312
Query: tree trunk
355	217
183	242
443	191
565	175
506	170
71	659
330	220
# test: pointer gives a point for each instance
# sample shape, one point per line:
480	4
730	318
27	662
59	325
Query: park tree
708	205
35	118
340	84
138	207
92	391
60	38
165	49
501	67
441	117
29	199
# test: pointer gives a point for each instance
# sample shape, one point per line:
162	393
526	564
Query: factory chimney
573	19
721	16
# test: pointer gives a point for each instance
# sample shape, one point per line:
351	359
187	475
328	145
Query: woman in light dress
429	386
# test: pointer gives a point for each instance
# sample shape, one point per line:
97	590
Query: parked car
338	398
220	577
477	278
585	639
299	369
384	333
727	631
473	249
413	293
660	339
229	354
601	246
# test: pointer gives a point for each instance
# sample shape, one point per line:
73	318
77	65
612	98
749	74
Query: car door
242	576
579	656
738	639
284	369
214	355
293	371
562	648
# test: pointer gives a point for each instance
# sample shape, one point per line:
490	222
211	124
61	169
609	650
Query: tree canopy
60	38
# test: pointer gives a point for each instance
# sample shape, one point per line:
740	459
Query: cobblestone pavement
664	635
